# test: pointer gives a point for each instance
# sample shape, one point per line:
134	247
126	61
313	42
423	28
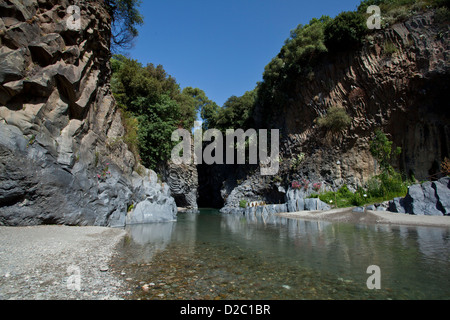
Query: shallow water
214	256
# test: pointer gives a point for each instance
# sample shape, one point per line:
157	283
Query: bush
381	149
358	199
374	189
131	138
389	48
442	15
392	185
336	120
344	192
345	31
242	203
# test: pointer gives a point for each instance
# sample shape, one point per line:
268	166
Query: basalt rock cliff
397	82
62	155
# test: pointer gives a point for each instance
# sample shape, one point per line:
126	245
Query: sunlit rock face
62	155
402	91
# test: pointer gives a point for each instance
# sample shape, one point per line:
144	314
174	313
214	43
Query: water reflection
410	258
413	260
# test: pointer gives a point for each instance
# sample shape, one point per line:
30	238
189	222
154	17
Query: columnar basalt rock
402	91
63	159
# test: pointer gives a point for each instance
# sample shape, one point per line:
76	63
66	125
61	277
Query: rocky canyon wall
397	82
63	159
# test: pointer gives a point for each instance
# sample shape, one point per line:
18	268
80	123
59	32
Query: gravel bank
381	217
43	263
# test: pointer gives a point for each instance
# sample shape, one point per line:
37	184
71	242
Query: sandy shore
46	262
372	217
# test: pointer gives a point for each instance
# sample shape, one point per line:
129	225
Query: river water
214	256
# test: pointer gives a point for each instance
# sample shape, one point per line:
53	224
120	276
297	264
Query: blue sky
222	46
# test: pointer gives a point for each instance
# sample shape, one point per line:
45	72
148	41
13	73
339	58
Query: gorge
65	158
93	189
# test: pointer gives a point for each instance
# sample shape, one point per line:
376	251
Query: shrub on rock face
336	120
242	204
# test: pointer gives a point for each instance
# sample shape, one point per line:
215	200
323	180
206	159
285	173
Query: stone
429	198
22	34
445	181
292	206
359	209
300	204
442	195
48	50
14	87
421	200
397	205
104	268
57	115
12	64
26	8
315	204
66	151
149	212
183	183
41	85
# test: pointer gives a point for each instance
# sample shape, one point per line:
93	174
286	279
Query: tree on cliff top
125	17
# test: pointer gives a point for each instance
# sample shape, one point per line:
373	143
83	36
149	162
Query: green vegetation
31	141
379	189
394	11
346	31
342	198
296	162
153	106
389	184
307	46
381	149
235	113
385	186
389	48
296	60
336	120
242	203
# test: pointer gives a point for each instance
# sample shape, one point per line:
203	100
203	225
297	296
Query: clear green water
214	256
